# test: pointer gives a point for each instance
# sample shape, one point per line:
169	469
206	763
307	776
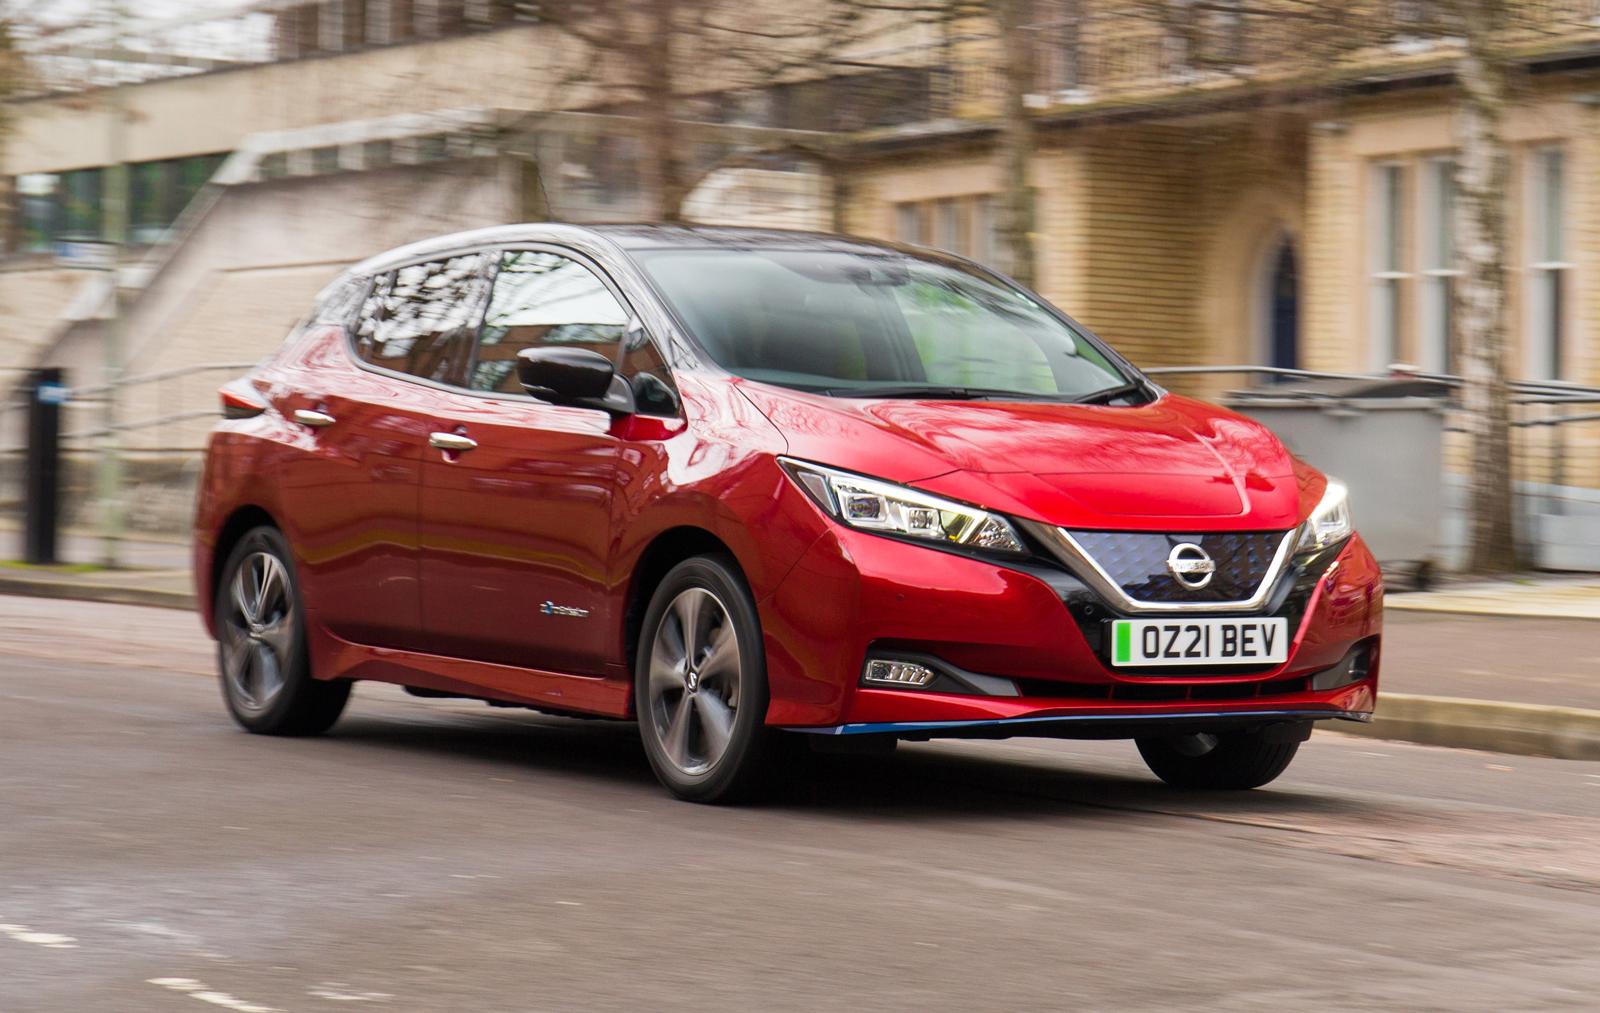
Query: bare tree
662	62
1016	24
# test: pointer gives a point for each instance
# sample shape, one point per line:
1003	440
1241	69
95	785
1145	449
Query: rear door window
421	319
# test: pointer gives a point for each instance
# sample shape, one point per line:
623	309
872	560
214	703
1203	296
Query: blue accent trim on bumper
898	727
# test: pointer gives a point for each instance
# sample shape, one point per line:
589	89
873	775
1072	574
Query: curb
1521	729
1459	608
110	594
1565	733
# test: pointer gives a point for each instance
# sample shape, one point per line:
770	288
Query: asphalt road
431	855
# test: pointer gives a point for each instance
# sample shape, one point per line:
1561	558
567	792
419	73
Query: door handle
314	419
451	441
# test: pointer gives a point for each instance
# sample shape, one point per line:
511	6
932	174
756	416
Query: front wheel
261	643
1226	761
700	684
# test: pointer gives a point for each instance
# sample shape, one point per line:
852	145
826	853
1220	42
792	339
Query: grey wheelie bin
1384	438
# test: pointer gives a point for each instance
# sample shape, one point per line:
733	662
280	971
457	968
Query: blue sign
53	393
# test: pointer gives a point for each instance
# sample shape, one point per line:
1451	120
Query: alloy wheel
694	681
258	631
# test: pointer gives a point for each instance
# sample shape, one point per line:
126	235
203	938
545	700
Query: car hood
1174	464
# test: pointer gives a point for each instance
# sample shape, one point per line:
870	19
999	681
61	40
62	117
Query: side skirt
335	658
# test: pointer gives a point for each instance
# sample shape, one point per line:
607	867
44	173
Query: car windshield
855	324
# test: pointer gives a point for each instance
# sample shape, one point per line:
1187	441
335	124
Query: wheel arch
666	550
243	519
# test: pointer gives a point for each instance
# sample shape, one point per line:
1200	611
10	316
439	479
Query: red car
750	487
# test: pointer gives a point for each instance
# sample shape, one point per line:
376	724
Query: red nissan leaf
751	488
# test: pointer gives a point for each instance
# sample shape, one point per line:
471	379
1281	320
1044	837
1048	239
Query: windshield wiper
1109	394
933	393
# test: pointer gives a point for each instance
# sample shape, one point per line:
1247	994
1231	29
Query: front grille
1136	561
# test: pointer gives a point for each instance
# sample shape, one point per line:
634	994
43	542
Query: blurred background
1263	202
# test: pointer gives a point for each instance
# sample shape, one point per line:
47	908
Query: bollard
42	492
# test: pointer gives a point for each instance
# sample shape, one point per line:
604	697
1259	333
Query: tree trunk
663	155
1015	225
1481	225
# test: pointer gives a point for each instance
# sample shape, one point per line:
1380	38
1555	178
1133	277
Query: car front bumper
1033	631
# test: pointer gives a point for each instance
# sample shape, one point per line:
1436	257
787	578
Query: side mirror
574	376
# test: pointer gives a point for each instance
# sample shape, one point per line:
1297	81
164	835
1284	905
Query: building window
38	207
1389	279
1549	355
959	225
908	223
83	204
1438	267
325	160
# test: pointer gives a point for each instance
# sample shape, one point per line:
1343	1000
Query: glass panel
1553	166
947	226
849	322
1390	218
148	185
984	247
39	210
1438	210
82	214
421	319
542	300
908	223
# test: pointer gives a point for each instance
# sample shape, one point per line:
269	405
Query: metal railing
170	390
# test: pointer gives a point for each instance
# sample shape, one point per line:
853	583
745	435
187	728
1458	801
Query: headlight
1329	524
884	507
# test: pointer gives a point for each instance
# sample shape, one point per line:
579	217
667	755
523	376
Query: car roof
619	238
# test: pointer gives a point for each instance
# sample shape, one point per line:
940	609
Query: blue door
1283	315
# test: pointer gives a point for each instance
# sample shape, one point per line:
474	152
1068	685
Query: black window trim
497	252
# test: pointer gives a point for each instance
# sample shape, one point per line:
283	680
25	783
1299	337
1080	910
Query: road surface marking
23	934
338	991
199	990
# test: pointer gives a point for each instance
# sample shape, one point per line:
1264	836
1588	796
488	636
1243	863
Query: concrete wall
514	68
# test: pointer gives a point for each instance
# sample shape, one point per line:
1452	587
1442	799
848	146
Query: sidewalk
1510	666
154	571
1542	596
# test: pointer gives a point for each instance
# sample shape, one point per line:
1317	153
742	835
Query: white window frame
1387	276
1436	249
1548	349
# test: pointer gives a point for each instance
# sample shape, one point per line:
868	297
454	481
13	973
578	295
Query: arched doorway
1281	316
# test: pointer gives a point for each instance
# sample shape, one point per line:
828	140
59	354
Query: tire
702	698
262	660
1235	761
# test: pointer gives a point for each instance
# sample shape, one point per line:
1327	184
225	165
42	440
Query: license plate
1140	642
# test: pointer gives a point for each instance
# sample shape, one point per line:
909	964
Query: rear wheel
1230	761
700	684
261	643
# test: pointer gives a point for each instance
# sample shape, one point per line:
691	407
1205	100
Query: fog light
897	673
